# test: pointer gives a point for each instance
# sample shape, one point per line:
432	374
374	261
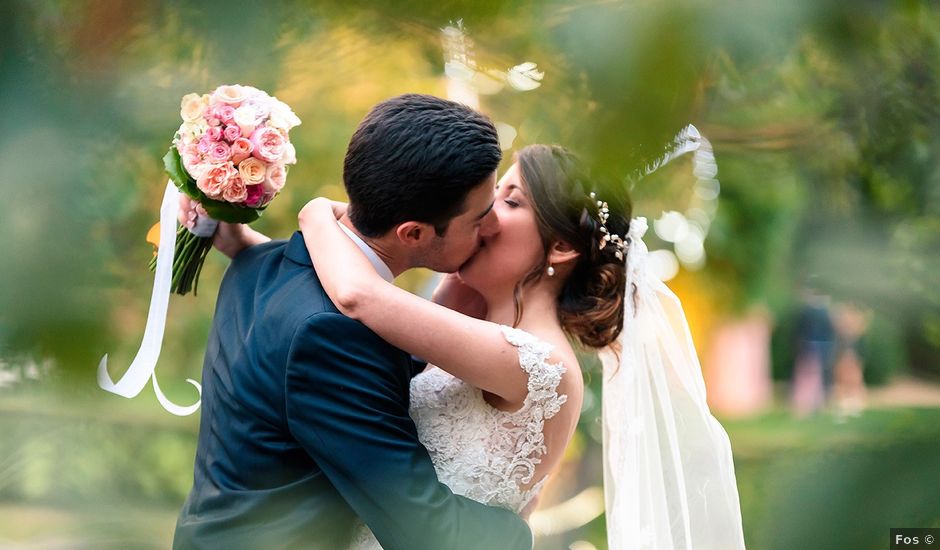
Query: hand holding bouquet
230	155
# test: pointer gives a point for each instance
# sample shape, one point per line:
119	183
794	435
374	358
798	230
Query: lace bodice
479	451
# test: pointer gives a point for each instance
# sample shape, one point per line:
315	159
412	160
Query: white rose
192	107
245	117
231	95
190	132
282	117
251	92
290	154
274	179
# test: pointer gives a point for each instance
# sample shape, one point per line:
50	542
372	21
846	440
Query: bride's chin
465	274
466	270
468	275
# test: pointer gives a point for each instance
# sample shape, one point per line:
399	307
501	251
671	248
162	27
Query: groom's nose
490	225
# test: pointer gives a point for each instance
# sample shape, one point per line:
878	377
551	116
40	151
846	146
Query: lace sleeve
542	401
482	452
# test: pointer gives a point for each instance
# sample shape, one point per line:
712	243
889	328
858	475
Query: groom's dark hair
416	158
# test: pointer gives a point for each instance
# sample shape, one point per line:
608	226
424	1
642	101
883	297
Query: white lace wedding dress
478	451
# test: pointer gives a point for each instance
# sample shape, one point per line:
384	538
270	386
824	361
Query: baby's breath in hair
603	213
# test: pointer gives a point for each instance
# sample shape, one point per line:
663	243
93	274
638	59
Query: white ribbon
142	368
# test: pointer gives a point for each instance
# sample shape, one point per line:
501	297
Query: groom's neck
396	264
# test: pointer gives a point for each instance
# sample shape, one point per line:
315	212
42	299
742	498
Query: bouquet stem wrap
193	246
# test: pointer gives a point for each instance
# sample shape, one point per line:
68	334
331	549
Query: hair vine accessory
603	213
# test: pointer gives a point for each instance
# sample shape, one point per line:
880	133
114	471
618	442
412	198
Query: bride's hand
454	294
339	208
229	238
321	206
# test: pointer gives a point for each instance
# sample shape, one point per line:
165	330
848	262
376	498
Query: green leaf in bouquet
173	165
225	212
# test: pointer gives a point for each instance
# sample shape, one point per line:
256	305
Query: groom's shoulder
258	251
345	348
292	250
252	260
269	265
331	327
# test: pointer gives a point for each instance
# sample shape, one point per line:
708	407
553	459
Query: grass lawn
76	476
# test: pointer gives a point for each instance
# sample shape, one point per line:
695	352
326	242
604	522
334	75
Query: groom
305	420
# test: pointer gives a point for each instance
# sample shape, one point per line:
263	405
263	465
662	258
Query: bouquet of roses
230	155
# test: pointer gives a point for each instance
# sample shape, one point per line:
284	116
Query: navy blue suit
305	426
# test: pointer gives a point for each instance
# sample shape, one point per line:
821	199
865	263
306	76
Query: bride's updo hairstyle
590	306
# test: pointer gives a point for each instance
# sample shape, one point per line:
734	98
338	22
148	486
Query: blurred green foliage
823	116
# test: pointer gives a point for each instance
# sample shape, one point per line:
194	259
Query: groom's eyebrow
485	212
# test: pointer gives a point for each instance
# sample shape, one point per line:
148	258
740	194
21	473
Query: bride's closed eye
511	203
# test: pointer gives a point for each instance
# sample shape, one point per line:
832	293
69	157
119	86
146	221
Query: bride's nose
490	225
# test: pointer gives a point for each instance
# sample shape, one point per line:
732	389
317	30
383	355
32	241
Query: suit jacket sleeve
346	406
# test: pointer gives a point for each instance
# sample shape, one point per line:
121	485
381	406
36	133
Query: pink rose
193	165
223	112
189	149
231	133
219	152
204	144
269	144
226	113
234	190
191	157
214	178
255	196
214	133
213	121
241	149
274	179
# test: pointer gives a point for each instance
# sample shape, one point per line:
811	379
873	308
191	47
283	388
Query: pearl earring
550	271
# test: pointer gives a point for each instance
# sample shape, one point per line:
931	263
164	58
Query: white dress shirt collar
377	263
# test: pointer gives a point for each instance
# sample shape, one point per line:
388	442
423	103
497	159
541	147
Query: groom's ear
562	252
414	234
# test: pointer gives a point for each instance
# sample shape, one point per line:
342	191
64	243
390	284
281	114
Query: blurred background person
815	340
851	323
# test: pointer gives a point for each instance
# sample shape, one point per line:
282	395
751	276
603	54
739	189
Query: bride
501	395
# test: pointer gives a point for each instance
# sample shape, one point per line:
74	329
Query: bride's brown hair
590	306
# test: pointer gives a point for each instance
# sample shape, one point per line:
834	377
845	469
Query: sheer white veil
668	471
